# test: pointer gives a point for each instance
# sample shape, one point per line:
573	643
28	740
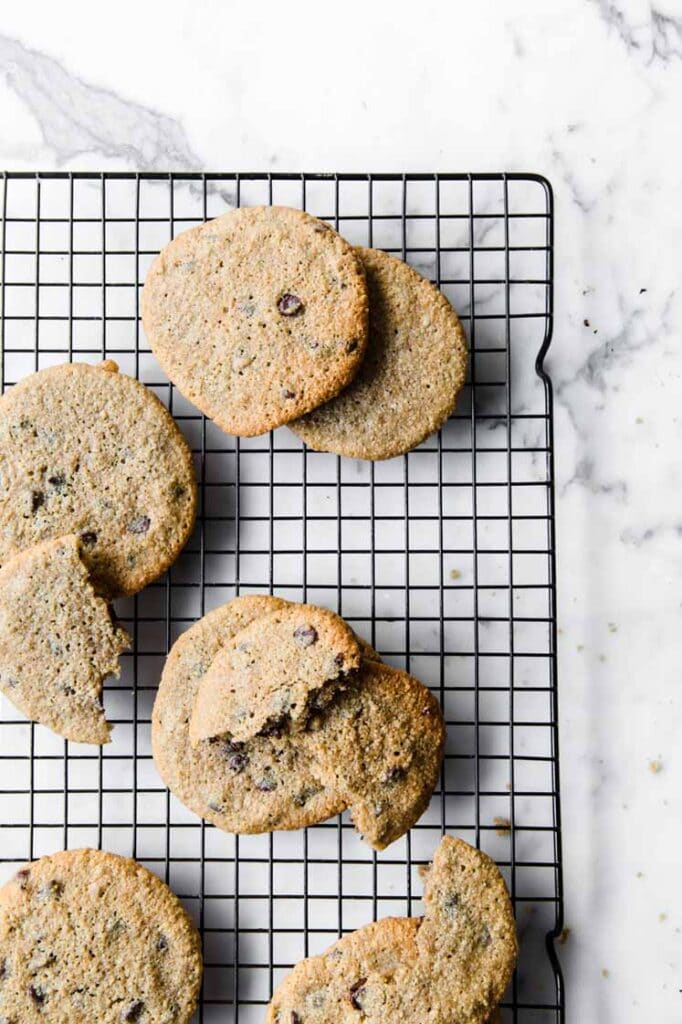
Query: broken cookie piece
380	747
57	640
274	674
445	966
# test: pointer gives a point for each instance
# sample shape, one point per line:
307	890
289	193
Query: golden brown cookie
57	640
450	967
277	668
90	936
256	787
413	371
87	450
257	316
374	744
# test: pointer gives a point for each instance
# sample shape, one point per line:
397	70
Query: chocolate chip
58	481
37	500
162	943
4	969
213	805
305	636
295	1019
355	994
274	728
36	993
289	305
178	491
134	1011
338	660
22	877
266	784
140	524
352	345
51	891
305	795
394	775
286	393
237	762
88	538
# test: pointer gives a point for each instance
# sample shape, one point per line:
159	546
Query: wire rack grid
443	559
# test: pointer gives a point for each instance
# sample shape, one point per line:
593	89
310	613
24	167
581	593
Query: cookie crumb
455	574
604	972
662	917
563	936
655	767
502	825
613	628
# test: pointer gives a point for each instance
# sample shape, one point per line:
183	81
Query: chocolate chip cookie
413	371
57	640
373	744
90	936
258	786
257	316
87	450
453	965
279	668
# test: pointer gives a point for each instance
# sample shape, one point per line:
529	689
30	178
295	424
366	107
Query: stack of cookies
267	316
274	715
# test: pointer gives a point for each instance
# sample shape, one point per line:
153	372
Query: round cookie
452	965
87	450
57	640
90	936
269	785
257	316
280	666
413	371
380	746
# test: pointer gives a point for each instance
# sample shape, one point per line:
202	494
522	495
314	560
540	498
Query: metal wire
443	559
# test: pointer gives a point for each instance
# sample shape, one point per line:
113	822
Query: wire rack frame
444	559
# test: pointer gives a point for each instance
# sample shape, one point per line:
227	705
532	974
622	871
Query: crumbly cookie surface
87	450
413	371
450	967
380	746
257	316
374	746
90	936
57	640
282	666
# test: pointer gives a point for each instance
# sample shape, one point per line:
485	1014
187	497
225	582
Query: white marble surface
587	92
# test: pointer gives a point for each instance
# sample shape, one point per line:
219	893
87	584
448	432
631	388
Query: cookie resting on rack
371	741
87	450
451	966
413	371
257	316
57	640
90	936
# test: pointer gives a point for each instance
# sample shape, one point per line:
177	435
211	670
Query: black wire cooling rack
443	559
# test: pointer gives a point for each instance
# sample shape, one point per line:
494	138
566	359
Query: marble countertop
586	92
